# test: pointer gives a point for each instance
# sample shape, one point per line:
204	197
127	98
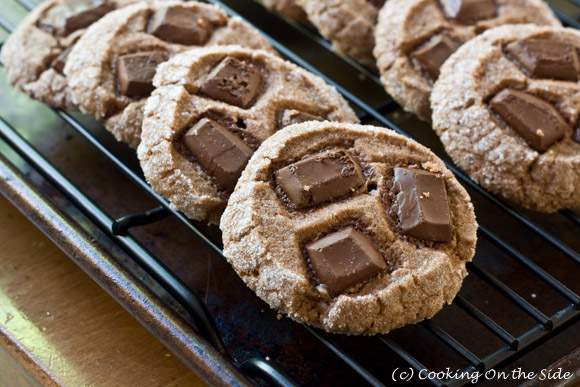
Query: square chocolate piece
533	118
320	178
293	116
233	81
377	3
219	151
434	53
546	58
59	62
423	208
180	25
135	72
469	11
68	17
343	259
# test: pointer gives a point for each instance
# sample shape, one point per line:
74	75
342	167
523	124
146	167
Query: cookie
217	98
414	37
35	53
354	229
507	107
347	24
287	8
111	68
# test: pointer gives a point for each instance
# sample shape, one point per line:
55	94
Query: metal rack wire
513	346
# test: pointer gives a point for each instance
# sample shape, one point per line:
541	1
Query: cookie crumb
430	166
540	132
426	194
306	188
278	317
267	358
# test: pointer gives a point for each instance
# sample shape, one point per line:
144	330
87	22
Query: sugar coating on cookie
415	37
347	24
507	108
35	53
110	70
287	8
354	229
211	109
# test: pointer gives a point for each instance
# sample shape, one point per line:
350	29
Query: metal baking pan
517	310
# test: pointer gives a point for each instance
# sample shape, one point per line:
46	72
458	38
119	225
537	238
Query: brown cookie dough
414	37
212	108
153	32
354	229
35	53
347	24
287	8
506	107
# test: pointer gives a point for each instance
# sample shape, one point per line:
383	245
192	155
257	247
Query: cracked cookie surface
165	28
414	37
530	156
348	24
282	250
211	110
288	8
35	53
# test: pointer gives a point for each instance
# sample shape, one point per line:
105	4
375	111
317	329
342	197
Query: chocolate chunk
135	72
576	135
533	118
423	207
59	62
74	15
468	11
233	81
434	53
320	178
293	116
179	25
219	151
343	259
546	58
377	3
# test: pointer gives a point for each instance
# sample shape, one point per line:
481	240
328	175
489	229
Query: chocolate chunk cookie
110	70
35	53
211	110
347	24
507	107
353	229
287	8
415	37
